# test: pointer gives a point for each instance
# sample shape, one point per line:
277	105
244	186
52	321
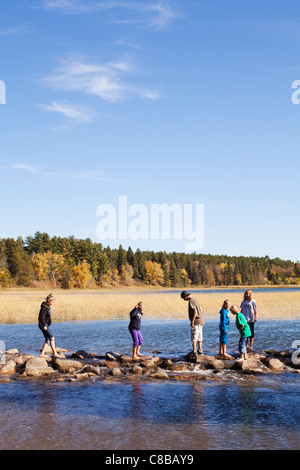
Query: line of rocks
83	365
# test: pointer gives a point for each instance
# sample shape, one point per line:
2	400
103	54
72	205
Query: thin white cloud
71	111
87	175
20	30
107	81
155	15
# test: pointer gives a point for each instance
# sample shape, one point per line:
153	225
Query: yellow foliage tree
185	281
126	274
6	279
40	266
106	279
48	266
81	275
154	273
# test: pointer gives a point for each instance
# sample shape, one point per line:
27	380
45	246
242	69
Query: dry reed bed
22	306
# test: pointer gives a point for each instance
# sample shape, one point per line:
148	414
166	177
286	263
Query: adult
249	310
44	323
135	329
196	320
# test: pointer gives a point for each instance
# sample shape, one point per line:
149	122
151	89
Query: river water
234	412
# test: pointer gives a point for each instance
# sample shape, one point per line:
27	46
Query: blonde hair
234	309
226	302
246	292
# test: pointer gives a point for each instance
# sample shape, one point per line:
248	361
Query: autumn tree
154	273
81	275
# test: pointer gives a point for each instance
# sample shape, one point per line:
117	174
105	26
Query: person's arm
193	318
43	317
222	320
241	325
255	311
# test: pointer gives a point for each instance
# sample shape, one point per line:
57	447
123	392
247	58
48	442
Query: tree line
68	262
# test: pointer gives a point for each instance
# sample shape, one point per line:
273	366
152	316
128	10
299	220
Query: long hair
248	291
226	304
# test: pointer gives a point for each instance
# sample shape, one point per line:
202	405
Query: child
224	327
44	325
249	310
244	329
134	329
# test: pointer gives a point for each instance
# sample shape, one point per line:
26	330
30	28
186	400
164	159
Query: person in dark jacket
135	329
44	323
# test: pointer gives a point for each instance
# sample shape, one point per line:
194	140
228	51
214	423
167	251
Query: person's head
140	306
226	304
50	299
248	294
185	295
234	309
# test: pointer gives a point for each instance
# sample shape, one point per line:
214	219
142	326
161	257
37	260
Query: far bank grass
22	305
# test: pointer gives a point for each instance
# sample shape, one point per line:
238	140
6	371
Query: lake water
234	412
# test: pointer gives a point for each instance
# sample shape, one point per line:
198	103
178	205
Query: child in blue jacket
224	327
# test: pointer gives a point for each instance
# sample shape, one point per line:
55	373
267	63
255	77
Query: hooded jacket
45	315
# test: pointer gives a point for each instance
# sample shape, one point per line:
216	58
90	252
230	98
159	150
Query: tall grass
22	305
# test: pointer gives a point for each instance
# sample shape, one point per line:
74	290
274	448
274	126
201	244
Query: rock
20	359
274	364
36	367
12	351
91	369
66	366
247	364
260	355
155	359
81	354
9	367
161	374
84	375
115	371
215	364
149	364
177	367
111	356
166	363
137	370
275	353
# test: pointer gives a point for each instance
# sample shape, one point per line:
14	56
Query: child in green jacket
244	329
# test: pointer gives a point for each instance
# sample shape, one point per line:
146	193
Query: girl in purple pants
135	329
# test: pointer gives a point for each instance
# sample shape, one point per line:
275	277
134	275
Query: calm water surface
234	412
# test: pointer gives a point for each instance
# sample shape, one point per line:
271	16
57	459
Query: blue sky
175	102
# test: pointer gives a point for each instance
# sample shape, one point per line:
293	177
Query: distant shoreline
143	288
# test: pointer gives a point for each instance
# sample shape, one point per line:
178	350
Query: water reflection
232	412
162	415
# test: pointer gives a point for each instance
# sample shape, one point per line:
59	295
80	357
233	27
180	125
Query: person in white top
249	310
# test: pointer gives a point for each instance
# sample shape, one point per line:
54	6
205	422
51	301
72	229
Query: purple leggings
137	337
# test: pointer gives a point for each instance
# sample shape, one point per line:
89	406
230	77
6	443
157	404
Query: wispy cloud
155	15
87	175
107	80
19	30
74	112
